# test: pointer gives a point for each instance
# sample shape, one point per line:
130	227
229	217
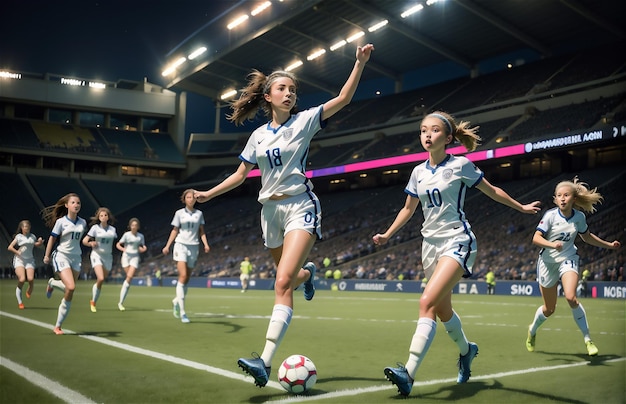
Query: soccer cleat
256	368
29	291
121	307
58	331
309	286
465	363
49	289
20	306
591	348
185	319
400	378
530	342
175	309
92	306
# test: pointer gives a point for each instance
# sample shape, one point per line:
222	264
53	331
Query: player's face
103	216
134	226
564	198
25	228
73	204
282	94
189	200
432	134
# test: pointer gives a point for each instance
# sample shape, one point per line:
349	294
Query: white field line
276	385
149	353
39	380
354	392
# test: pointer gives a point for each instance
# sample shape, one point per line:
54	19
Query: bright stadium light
354	37
316	54
378	26
412	10
338	45
237	21
260	8
174	65
196	53
294	65
228	94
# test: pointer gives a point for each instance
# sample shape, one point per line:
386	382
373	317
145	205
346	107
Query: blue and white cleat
256	368
400	377
309	284
465	363
185	319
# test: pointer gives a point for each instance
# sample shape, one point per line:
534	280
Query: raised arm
334	105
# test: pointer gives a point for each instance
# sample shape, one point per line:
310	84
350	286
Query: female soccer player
131	244
187	232
449	246
23	259
68	227
555	235
291	213
100	238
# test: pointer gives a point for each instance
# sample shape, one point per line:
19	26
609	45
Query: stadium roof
452	34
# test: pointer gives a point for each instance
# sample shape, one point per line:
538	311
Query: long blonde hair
585	198
252	96
51	213
461	131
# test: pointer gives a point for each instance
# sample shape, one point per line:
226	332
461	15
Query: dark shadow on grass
234	327
346	378
103	334
577	357
457	392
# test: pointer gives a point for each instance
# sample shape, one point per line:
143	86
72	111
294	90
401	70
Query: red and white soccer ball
297	374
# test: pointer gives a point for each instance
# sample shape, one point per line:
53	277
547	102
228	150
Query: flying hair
51	213
252	98
461	131
585	198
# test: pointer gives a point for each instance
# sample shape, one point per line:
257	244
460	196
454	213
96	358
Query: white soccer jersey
25	243
104	237
555	227
441	191
188	224
69	234
281	153
132	242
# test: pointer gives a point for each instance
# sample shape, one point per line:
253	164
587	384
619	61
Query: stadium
549	96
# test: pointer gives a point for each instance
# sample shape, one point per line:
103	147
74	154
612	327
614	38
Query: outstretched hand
363	52
531	208
379	239
200	196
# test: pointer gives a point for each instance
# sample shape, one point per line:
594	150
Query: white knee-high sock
18	295
64	309
180	297
539	319
455	332
124	291
58	284
423	337
95	292
279	322
580	316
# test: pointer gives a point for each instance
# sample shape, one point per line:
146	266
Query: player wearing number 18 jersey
291	213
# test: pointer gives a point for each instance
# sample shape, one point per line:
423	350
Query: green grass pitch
145	355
